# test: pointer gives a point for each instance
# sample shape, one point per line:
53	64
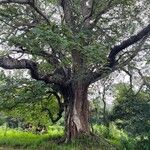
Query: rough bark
77	121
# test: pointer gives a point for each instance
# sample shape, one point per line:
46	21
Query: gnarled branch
112	64
126	43
8	62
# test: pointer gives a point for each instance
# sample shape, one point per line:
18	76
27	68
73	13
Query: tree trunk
77	120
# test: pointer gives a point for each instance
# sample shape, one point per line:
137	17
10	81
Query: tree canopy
92	29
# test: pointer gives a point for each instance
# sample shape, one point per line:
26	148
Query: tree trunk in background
77	121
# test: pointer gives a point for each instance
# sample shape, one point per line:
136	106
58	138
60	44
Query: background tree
131	113
132	109
100	95
83	44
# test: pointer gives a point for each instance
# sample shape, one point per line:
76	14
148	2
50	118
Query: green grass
17	139
27	140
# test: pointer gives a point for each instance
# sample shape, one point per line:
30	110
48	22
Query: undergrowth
18	139
114	139
121	139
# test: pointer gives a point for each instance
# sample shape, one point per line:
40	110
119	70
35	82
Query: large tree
71	44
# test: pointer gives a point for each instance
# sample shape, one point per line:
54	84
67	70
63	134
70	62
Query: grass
17	139
26	140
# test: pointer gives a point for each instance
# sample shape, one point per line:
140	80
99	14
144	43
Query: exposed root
88	141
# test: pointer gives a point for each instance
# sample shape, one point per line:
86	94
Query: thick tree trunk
77	121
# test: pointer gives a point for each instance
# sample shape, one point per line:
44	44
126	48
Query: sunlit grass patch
26	140
30	141
17	138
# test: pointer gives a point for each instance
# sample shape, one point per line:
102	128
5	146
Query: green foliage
119	138
2	119
26	99
95	53
123	140
131	112
94	45
119	17
97	116
143	144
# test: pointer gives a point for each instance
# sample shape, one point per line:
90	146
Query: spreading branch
27	2
113	64
8	62
50	58
126	43
123	59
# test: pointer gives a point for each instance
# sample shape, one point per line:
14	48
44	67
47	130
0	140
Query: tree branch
68	16
7	62
87	11
40	12
112	64
123	62
145	82
130	76
27	2
50	58
126	43
103	11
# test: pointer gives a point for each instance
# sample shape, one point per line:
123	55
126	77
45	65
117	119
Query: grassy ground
18	140
27	140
